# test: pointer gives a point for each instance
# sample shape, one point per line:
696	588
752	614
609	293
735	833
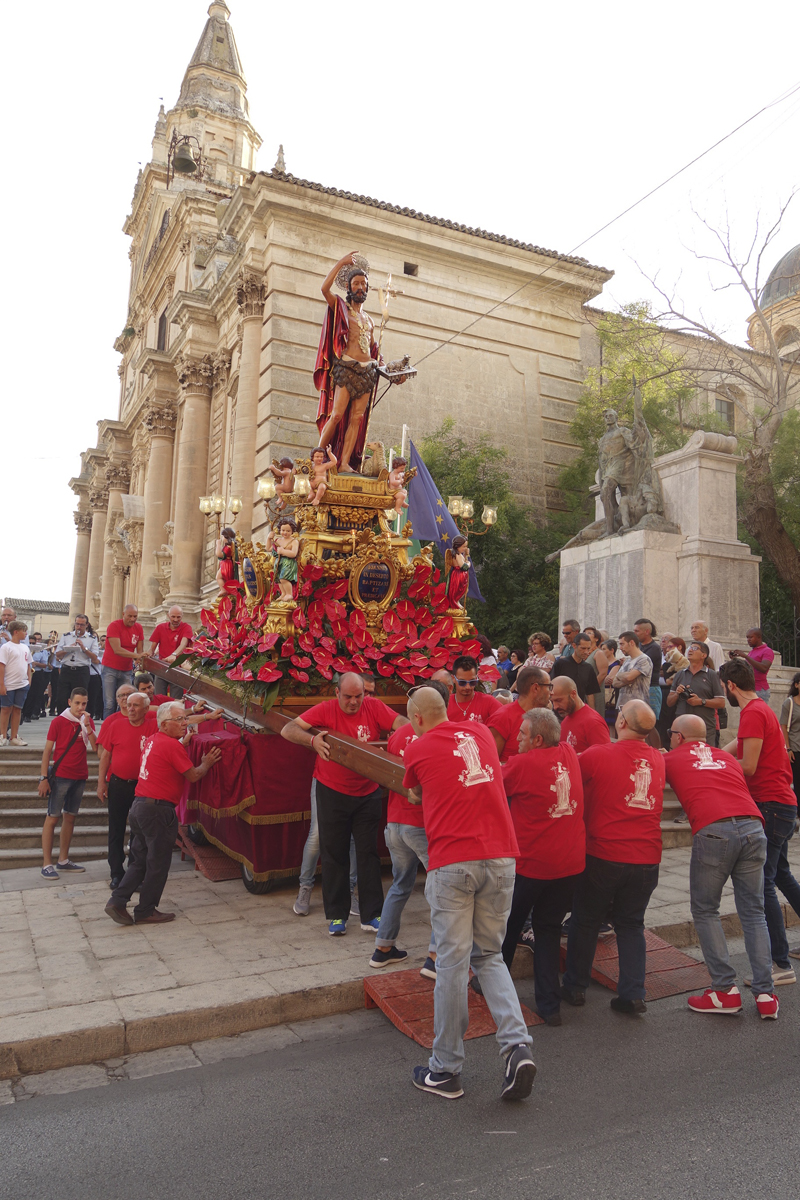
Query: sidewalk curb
79	1035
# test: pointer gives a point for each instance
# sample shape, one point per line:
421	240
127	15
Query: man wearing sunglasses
468	702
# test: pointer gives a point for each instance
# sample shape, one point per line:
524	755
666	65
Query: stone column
195	377
117	590
251	296
98	500
117	477
77	603
159	421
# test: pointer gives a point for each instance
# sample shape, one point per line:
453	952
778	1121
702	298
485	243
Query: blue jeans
734	849
779	822
308	867
470	903
408	846
655	699
622	890
111	681
763	694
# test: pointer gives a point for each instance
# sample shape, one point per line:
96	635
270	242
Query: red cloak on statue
332	344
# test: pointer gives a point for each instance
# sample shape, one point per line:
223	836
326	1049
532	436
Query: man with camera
696	690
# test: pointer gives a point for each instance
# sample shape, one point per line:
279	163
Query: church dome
784	279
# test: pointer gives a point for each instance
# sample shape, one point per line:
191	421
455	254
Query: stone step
26	785
673	835
15	858
29	838
21	769
34	816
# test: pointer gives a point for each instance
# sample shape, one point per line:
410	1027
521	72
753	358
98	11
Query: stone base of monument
702	573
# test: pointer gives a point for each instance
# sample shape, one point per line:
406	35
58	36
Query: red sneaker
729	1002
767	1006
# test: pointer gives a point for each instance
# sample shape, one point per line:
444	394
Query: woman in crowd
539	652
675	657
516	659
790	724
598	661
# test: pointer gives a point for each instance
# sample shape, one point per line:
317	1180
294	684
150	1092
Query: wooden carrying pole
370	761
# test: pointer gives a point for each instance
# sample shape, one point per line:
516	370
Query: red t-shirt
507	720
623	794
545	791
480	708
402	811
773	776
165	639
464	806
125	743
584	728
115	718
164	762
129	638
157	699
75	764
709	783
372	722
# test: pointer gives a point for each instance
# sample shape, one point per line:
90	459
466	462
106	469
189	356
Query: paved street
667	1106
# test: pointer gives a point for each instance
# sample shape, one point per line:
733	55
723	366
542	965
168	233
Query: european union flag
429	517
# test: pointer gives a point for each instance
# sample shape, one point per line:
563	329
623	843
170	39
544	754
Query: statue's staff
386	294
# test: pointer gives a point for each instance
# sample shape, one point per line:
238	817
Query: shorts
65	796
15	698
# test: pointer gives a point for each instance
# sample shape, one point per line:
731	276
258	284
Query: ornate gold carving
195	375
251	294
374	550
83	522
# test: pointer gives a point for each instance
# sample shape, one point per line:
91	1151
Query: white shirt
16	659
77	657
715	653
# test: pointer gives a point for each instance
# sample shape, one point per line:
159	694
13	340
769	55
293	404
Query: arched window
787	339
161	344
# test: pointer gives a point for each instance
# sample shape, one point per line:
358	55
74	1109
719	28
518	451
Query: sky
539	121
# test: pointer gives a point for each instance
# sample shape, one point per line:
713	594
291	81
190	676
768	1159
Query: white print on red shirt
363	733
143	768
474	772
705	759
641	778
571	740
564	806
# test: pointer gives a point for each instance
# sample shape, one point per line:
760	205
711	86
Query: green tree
521	591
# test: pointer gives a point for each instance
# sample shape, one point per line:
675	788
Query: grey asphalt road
669	1106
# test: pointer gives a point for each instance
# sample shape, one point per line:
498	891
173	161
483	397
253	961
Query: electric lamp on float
459	506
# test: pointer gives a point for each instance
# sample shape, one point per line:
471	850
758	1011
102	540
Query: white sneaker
780	976
17	741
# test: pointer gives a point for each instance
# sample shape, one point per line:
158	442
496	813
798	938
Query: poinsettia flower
431	636
391	622
313	571
405	610
360	662
267	641
335	610
287	649
439	659
424	615
339	589
396	643
269	674
350	645
300	676
437	574
385	668
340	663
488	671
207	618
340	629
402	662
357	620
472	647
299	618
406	676
322	657
410	630
301	660
373	652
306	589
326	672
305	641
418	660
362	638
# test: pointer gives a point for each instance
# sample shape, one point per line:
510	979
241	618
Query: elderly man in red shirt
455	772
533	691
545	791
124	645
169	639
121	744
581	725
347	803
154	820
728	842
623	795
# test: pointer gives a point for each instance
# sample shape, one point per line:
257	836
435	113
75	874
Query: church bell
184	162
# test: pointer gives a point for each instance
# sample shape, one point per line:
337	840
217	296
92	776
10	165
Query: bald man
168	640
454	771
728	843
581	725
623	791
348	804
533	691
124	645
446	678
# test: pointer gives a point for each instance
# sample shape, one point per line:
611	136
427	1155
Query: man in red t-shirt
348	804
761	750
121	745
545	791
146	684
728	843
468	703
581	725
455	772
68	737
124	644
533	691
164	768
623	794
169	639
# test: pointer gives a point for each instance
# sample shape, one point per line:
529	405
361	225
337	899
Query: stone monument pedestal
702	573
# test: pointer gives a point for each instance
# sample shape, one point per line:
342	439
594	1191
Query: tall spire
214	78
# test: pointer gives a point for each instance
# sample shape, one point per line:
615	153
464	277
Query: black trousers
619	892
551	900
34	701
340	816
120	798
69	678
55	675
154	828
95	705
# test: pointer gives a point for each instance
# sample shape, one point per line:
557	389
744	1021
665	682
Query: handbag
51	774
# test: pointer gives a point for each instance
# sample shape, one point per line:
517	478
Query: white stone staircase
22	813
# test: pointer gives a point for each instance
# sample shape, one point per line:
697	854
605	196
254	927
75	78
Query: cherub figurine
320	465
395	484
228	573
287	547
284	474
457	564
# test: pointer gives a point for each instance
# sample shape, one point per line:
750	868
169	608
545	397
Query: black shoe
519	1074
120	915
428	969
574	996
440	1083
115	883
551	1018
631	1008
383	958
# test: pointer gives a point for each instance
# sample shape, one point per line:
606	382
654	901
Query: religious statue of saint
282	539
456	566
348	364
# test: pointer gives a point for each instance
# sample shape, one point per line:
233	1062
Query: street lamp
215	506
459	506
